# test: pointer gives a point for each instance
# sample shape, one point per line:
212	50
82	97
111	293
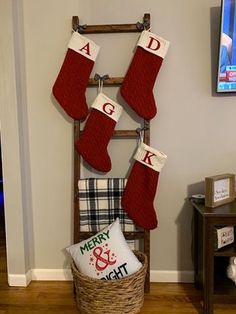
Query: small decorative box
223	236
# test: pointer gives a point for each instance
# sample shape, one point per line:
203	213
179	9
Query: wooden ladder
121	134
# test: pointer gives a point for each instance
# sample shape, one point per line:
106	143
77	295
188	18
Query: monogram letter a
86	48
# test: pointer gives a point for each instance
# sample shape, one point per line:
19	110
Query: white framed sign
219	189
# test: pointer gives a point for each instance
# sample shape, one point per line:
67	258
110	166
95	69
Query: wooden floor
57	297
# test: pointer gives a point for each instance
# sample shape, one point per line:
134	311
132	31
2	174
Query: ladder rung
112	81
130	235
125	134
122	134
113	28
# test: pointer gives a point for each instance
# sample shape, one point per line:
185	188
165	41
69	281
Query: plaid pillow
100	204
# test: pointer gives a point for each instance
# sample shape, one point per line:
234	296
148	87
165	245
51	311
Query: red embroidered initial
147	158
153	44
108	108
86	48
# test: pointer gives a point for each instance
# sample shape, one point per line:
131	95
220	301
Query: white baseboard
171	276
51	274
65	274
15	280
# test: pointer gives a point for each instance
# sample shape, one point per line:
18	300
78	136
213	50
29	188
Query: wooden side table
205	257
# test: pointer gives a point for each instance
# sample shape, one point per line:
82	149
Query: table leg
196	250
208	267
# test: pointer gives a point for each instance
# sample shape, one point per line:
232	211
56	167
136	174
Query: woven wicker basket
121	296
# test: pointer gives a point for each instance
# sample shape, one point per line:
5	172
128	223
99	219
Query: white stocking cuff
150	157
107	106
154	44
83	46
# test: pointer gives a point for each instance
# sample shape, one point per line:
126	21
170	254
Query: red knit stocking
137	87
98	130
141	187
70	85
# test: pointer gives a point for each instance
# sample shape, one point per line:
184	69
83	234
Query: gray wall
194	127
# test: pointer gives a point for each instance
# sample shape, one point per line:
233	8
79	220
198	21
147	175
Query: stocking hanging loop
141	131
100	79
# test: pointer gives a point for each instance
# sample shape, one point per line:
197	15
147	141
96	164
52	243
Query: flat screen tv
226	78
